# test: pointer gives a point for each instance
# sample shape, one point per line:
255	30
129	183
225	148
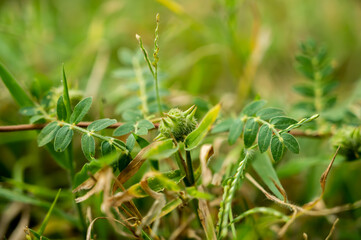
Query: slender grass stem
69	158
190	167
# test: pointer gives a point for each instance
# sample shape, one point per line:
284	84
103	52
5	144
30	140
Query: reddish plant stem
26	127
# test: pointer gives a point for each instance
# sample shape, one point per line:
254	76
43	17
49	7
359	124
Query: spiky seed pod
349	140
177	124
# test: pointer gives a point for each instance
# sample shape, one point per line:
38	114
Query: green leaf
250	132
253	107
268	113
48	133
47	217
92	167
66	97
161	150
193	192
88	146
37	235
29	111
141	141
305	106
63	138
328	87
235	131
168	180
141	131
277	148
80	110
305	90
14	88
107	148
282	122
130	142
60	109
124	129
265	170
196	137
264	138
145	124
124	161
290	142
36	119
101	124
223	126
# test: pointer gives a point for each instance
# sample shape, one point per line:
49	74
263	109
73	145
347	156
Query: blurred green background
210	50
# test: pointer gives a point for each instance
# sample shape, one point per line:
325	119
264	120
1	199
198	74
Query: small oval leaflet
124	129
60	109
63	138
251	108
107	148
88	146
268	113
101	124
235	131
264	138
48	133
277	148
250	132
290	142
80	110
282	122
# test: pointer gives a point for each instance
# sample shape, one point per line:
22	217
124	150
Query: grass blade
47	217
14	88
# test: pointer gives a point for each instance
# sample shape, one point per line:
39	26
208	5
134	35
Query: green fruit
177	124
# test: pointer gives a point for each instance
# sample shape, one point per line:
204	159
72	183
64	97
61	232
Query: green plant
181	168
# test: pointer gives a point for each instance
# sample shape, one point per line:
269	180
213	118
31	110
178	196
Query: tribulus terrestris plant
189	171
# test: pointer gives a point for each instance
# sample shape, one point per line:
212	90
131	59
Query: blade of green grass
14	88
47	217
66	97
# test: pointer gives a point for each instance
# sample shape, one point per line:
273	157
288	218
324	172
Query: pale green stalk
232	189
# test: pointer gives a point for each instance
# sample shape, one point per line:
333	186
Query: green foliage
178	124
88	146
101	124
196	137
48	133
145	187
80	110
315	64
63	138
14	88
47	217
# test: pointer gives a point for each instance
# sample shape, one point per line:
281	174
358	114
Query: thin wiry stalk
153	66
